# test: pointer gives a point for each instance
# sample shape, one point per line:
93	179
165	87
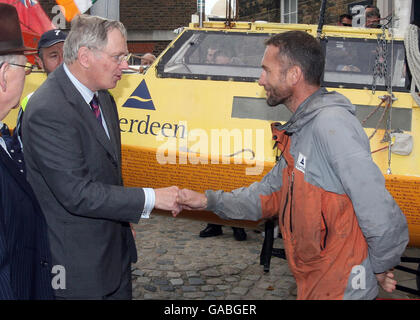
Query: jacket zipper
326	230
291	200
284	209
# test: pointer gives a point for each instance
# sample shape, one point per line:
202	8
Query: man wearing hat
50	56
25	258
50	50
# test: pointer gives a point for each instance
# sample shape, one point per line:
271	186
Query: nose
123	65
261	80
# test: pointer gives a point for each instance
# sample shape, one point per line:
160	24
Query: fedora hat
11	40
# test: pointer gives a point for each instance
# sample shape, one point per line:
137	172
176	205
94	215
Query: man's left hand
386	280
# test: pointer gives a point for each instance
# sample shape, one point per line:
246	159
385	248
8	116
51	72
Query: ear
294	74
3	69
39	62
84	56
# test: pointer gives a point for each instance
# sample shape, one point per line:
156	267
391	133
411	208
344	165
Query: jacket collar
313	105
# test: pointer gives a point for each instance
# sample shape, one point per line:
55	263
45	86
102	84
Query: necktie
94	104
13	147
5	134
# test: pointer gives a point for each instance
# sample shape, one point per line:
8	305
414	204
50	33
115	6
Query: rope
242	151
380	149
385	100
411	42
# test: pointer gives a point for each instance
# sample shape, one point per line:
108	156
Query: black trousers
123	292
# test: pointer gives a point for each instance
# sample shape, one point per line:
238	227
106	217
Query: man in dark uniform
25	258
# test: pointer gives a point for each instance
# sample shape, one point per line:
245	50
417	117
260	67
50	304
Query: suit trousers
123	292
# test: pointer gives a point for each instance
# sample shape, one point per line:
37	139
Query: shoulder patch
301	163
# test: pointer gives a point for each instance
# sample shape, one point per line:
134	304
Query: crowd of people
68	209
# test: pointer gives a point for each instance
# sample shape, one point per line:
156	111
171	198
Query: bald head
147	59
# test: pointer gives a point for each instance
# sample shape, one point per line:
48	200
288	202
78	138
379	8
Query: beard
276	97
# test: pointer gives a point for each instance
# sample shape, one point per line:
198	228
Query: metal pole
109	9
201	9
321	18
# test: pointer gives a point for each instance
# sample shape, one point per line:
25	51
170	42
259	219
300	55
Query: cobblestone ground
176	264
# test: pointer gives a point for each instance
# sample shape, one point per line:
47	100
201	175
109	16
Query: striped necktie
94	104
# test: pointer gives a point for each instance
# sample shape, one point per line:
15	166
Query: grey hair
10	58
91	32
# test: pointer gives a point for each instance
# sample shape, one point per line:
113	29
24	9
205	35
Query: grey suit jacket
75	171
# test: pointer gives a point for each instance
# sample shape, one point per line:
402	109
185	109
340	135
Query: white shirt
87	94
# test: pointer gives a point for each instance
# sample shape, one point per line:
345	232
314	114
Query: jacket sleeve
347	150
259	200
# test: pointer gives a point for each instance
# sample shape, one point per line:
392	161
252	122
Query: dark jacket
25	258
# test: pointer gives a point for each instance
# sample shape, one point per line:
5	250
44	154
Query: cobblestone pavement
176	264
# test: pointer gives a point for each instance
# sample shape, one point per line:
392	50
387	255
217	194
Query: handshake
175	200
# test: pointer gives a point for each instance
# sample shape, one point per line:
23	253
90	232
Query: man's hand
386	280
133	231
166	199
192	200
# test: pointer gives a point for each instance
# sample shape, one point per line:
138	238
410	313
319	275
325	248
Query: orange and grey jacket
339	224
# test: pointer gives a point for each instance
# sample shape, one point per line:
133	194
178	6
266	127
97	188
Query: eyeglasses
28	67
121	58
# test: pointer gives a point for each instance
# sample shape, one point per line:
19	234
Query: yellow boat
203	125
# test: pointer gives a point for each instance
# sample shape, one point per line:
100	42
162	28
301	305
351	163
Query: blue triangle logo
140	98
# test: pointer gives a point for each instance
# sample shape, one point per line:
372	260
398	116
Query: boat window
350	63
214	55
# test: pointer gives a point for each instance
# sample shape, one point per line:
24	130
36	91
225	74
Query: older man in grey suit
72	147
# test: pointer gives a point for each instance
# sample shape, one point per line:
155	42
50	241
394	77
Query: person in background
373	17
50	50
50	56
25	257
147	59
210	55
72	145
225	56
342	231
345	20
222	57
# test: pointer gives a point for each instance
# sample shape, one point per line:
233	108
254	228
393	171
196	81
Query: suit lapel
74	97
108	114
97	128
